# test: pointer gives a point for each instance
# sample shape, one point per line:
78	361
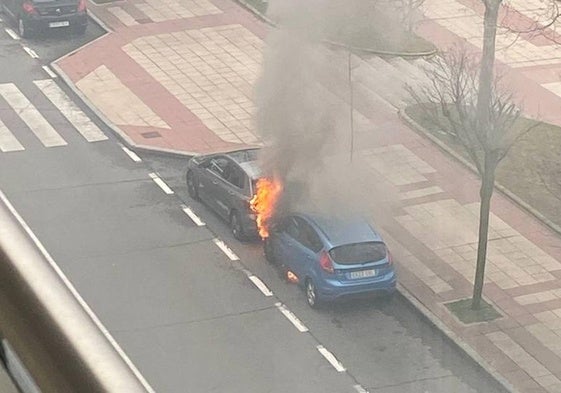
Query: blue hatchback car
331	258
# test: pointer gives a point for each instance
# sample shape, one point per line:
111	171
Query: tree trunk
486	192
487	61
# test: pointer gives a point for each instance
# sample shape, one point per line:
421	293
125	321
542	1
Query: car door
308	245
234	186
209	181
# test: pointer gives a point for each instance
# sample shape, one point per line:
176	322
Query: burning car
226	182
331	258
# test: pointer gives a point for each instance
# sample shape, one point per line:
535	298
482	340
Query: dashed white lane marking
133	156
291	317
331	358
192	215
8	142
161	183
260	285
75	293
87	128
31	52
360	389
49	72
12	33
226	250
31	116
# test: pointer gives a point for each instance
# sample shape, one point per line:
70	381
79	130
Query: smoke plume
303	113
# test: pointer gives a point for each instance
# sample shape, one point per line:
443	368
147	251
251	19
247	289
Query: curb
505	191
454	338
265	19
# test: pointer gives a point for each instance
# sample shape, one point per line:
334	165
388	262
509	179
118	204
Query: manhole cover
151	134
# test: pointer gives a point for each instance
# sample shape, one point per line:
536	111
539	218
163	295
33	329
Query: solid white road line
260	285
8	141
226	250
31	52
331	358
360	389
292	318
49	72
161	183
12	33
31	116
87	128
192	216
75	293
133	156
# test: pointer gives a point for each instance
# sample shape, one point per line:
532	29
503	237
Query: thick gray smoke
302	107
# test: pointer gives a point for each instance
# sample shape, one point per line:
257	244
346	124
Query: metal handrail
56	336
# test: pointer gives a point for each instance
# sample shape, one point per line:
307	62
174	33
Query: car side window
236	176
308	236
218	166
291	228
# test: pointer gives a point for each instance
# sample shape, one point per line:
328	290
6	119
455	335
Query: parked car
331	258
226	183
32	16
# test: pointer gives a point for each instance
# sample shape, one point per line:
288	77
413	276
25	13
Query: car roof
252	169
342	231
244	155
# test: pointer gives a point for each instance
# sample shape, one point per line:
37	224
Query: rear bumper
332	290
37	22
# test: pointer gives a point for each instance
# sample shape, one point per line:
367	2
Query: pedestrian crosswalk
25	105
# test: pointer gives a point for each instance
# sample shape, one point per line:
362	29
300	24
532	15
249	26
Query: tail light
390	257
28	7
325	262
82	6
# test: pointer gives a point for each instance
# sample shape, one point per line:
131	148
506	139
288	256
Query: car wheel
192	188
22	28
268	249
312	294
236	226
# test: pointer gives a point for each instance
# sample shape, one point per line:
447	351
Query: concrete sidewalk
178	76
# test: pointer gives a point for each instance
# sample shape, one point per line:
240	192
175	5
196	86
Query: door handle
231	192
214	182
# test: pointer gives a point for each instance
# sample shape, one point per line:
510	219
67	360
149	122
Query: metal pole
351	106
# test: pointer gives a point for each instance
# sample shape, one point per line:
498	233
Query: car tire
192	188
312	297
236	226
23	29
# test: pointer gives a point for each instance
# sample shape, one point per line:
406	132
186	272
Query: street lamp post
351	106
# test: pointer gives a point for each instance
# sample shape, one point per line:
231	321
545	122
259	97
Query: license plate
362	274
63	23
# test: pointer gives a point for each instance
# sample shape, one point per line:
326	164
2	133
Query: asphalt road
187	314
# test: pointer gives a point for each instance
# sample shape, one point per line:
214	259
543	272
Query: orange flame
264	203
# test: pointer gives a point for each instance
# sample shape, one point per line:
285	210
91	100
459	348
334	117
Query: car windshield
350	254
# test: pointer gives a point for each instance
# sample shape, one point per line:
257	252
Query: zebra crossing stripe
31	116
8	141
87	128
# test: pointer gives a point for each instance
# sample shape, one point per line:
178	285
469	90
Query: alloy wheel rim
311	293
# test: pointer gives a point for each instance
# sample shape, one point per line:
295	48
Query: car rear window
358	253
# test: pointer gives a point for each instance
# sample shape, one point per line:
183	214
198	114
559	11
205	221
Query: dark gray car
226	183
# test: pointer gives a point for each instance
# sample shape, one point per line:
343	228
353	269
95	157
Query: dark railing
53	332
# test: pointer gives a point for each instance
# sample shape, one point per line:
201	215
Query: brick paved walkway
178	75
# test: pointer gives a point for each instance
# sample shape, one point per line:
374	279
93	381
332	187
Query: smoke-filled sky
302	106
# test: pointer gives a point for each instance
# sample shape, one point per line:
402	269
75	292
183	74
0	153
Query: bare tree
452	101
409	12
